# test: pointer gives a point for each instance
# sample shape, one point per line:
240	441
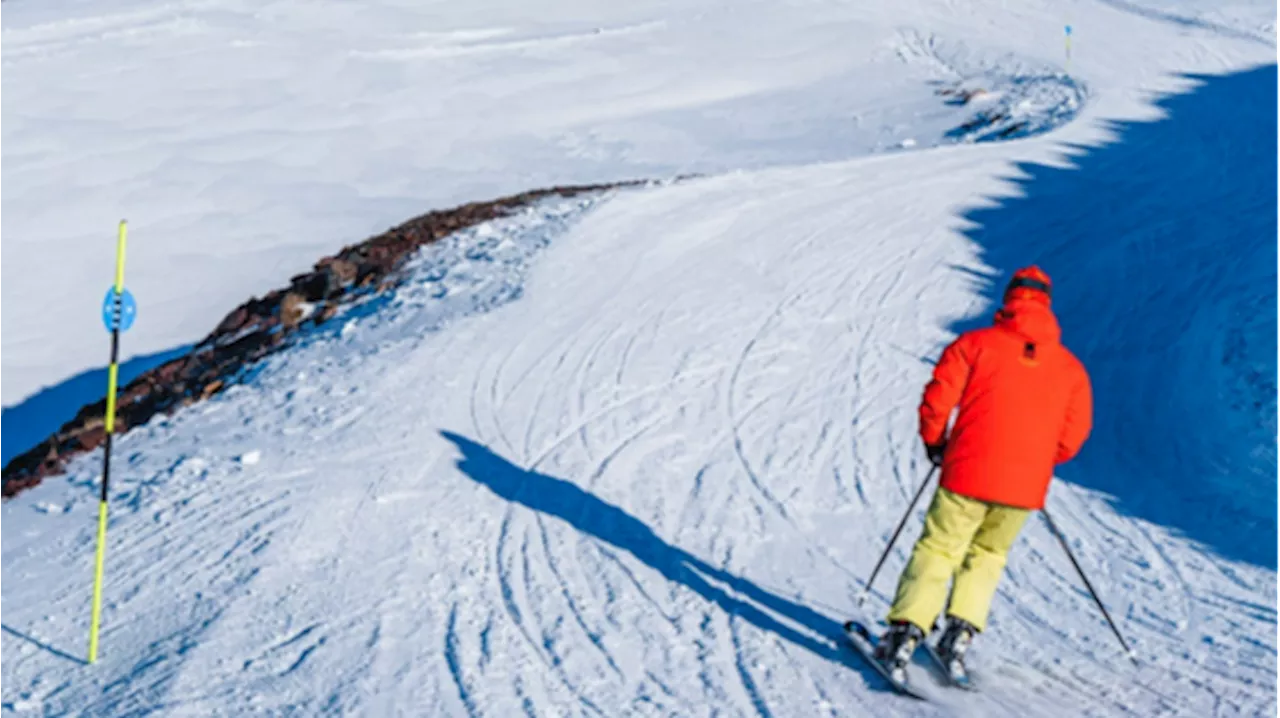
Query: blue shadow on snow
42	645
1162	247
592	516
41	414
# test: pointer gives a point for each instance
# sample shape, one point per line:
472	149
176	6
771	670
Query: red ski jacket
1025	405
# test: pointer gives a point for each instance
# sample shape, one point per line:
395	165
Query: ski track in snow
1261	32
574	607
626	454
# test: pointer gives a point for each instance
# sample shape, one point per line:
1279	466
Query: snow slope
635	454
245	139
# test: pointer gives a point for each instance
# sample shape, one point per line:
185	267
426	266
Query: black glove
936	452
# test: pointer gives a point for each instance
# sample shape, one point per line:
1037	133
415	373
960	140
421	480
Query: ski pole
1062	539
866	591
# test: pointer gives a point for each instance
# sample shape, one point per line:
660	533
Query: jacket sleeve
943	392
1079	419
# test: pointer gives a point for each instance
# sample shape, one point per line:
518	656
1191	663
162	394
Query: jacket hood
1031	319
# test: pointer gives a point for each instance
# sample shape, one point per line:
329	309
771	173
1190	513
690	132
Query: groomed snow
244	140
636	453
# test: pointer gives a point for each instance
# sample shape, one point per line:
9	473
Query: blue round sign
119	315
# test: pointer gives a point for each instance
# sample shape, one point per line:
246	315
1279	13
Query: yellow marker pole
1068	47
109	424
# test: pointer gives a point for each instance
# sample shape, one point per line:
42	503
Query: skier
1025	405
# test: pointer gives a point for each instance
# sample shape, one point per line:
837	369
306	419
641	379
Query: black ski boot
952	647
895	647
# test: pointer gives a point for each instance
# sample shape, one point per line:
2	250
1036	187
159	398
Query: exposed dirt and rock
262	326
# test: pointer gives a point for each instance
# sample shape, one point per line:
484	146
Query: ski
944	671
864	643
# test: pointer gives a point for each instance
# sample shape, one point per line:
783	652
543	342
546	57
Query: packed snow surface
636	453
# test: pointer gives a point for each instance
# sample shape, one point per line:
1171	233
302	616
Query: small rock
294	309
211	388
327	312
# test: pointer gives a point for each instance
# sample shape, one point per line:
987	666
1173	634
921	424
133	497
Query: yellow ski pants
963	538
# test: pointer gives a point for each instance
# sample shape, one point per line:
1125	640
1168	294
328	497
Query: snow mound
1009	96
1013	107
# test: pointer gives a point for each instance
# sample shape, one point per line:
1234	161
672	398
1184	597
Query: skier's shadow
821	635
